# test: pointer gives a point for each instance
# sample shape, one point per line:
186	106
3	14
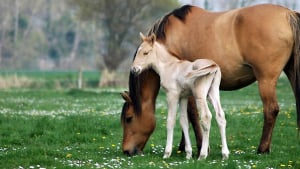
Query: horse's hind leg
214	97
267	89
185	127
200	92
205	123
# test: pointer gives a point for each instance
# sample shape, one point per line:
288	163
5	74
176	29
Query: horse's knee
205	122
221	121
271	112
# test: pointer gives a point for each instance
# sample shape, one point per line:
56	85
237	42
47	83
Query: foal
180	79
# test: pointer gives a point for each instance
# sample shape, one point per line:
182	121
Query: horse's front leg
267	89
193	117
185	127
172	100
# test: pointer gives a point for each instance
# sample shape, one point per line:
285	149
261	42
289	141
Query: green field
46	127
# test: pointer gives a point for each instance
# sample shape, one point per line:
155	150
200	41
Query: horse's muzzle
135	70
132	152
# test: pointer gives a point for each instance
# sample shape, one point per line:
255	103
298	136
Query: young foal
179	79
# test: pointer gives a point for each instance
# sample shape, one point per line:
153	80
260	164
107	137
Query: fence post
79	80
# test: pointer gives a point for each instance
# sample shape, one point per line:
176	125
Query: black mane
159	27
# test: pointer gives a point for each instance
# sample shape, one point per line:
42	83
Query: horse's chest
180	85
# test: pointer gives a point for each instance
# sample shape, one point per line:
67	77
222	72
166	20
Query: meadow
42	126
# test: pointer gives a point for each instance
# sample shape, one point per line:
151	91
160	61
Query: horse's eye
128	119
146	53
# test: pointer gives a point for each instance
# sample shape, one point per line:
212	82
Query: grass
70	128
47	79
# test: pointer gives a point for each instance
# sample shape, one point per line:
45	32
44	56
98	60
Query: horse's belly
236	79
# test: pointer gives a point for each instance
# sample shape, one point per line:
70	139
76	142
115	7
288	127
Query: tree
120	22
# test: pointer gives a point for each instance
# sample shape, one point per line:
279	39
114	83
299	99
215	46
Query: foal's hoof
167	155
202	157
225	156
188	156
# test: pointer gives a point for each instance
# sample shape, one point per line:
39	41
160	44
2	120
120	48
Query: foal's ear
126	96
152	38
143	37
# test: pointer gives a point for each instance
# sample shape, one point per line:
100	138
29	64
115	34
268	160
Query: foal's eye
146	53
128	119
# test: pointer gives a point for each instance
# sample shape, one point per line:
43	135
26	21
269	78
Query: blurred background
91	40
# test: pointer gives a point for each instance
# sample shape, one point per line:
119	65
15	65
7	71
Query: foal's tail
292	69
203	71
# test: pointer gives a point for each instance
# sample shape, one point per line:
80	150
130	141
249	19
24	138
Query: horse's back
263	30
240	41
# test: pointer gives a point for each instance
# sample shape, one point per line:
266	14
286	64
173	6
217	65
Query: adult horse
249	44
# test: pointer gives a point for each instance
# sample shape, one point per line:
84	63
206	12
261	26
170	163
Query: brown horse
249	44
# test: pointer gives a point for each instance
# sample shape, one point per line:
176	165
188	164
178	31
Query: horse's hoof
202	157
167	155
188	156
263	150
225	156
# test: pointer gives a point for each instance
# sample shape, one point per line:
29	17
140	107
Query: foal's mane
158	29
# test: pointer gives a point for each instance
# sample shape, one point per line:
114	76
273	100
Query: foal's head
145	55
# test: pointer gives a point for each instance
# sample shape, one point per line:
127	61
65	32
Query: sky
221	5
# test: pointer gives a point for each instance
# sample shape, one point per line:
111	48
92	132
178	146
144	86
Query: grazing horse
249	44
180	79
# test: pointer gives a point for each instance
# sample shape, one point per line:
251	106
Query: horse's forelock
123	113
134	92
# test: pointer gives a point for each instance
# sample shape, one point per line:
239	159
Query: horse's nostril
126	152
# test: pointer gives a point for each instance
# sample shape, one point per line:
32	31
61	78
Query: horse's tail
292	69
198	72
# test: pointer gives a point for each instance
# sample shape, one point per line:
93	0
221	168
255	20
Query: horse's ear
152	38
126	96
143	37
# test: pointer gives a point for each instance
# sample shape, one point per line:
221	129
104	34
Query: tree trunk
16	29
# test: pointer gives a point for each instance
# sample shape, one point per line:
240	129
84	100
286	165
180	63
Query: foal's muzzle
135	70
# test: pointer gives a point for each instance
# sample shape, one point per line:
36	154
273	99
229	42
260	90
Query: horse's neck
165	61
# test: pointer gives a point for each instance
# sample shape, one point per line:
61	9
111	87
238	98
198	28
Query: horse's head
145	54
137	128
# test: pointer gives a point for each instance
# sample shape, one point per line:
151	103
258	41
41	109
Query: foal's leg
214	97
172	100
185	127
200	92
205	122
193	117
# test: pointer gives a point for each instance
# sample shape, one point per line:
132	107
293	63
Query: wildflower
151	163
178	151
113	145
69	155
